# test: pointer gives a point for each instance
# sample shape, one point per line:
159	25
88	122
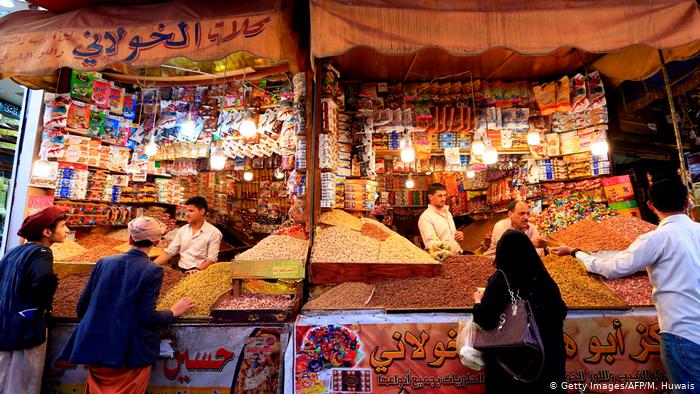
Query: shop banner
208	359
606	353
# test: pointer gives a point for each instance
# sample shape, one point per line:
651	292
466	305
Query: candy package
101	90
81	85
546	96
116	100
563	102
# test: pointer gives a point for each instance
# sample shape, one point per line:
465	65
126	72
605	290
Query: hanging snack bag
129	108
580	96
78	117
111	129
81	85
546	96
101	90
116	100
596	90
563	95
56	110
96	126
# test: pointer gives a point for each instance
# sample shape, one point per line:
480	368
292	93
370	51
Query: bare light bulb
7	3
279	174
471	173
490	155
151	148
248	176
408	154
533	137
248	128
599	147
478	148
409	182
217	160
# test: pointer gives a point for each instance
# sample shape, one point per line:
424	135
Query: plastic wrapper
546	97
579	92
563	102
101	90
466	334
81	85
596	90
116	100
56	110
78	116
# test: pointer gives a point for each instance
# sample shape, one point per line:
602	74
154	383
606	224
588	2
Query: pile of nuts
373	231
341	218
454	289
64	251
276	247
636	290
397	249
630	226
338	244
578	288
255	301
67	294
348	295
171	277
204	287
590	235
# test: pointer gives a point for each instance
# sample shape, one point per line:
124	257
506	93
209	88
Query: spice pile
91	248
255	301
204	287
568	210
590	235
636	290
67	294
454	289
578	288
363	241
64	251
276	247
348	295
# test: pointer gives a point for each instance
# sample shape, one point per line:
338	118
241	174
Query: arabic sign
206	359
93	47
399	356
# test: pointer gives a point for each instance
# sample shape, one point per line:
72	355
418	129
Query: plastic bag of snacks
470	357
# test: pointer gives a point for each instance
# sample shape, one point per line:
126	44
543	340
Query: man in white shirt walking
671	256
197	243
437	220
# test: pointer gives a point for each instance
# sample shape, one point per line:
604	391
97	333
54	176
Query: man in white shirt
437	220
197	243
518	219
671	256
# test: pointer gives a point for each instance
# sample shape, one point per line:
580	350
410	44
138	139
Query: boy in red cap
27	286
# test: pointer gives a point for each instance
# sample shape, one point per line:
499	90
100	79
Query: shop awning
520	28
35	43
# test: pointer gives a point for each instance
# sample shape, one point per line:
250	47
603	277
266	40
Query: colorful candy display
568	210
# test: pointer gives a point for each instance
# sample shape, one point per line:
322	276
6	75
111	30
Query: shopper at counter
27	287
437	221
518	219
528	278
197	243
671	256
117	337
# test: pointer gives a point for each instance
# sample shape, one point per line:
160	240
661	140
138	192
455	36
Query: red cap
34	224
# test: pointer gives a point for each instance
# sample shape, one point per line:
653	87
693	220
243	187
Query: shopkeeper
518	219
437	221
197	243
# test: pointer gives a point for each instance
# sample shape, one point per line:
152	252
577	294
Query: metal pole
674	120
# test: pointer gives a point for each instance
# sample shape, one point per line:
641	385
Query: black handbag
516	330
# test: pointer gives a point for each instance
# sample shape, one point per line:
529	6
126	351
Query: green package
81	85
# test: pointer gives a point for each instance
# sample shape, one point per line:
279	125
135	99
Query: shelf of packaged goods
8	138
409	206
103	142
111	202
6	151
580	179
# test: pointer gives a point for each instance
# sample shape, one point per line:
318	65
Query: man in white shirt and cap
197	243
437	221
671	257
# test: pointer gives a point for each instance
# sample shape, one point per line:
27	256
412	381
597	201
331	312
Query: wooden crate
336	273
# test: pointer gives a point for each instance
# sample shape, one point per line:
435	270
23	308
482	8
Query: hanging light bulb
248	176
409	182
490	155
533	137
470	172
279	174
217	159
599	147
42	167
248	127
151	148
478	147
408	153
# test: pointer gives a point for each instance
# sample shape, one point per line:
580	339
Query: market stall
144	107
497	109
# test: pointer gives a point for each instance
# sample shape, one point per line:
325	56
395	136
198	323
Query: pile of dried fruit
630	226
67	294
255	301
276	247
578	288
636	290
204	287
373	243
454	289
341	218
348	295
590	235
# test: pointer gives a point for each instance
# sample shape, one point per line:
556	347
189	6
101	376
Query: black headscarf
517	257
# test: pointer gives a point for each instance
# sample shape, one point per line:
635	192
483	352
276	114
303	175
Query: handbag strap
513	297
